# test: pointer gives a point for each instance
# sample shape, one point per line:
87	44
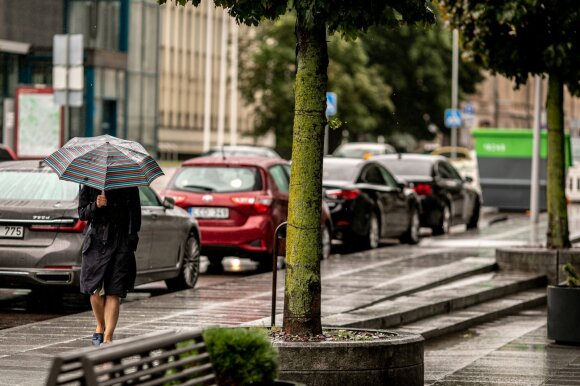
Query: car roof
366	144
23	164
264	162
410	156
343	161
240	147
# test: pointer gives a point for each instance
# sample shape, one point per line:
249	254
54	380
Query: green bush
242	356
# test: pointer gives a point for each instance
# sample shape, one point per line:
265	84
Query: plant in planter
563	310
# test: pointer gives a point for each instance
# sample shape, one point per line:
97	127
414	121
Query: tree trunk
557	236
303	244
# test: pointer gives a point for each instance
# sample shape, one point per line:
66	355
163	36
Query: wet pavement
510	350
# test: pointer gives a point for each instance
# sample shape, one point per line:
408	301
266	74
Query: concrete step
481	313
444	299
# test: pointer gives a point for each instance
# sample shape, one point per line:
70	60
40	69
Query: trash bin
504	158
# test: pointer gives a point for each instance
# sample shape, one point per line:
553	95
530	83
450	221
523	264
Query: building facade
200	106
121	44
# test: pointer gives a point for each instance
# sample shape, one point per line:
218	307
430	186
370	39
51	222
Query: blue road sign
331	106
469	108
452	118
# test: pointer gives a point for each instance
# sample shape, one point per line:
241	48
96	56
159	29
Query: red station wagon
238	203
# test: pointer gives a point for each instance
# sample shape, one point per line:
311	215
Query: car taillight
179	200
423	189
339	194
77	227
260	204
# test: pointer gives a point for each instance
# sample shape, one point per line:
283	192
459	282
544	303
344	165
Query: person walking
108	266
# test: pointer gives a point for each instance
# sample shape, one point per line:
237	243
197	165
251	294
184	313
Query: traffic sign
452	118
331	106
469	108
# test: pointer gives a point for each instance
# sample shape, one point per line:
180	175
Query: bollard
279	241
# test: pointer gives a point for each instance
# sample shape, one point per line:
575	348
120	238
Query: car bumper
255	236
30	278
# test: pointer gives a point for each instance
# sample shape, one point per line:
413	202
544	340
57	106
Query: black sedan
367	203
446	198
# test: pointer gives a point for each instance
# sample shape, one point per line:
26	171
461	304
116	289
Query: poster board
38	124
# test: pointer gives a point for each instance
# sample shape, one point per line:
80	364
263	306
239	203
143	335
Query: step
436	301
481	313
411	280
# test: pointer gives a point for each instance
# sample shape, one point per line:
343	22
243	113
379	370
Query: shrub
242	356
573	279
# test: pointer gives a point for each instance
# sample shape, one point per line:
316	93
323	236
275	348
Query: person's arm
88	209
134	217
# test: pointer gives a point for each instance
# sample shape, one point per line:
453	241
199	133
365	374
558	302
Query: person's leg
98	306
111	316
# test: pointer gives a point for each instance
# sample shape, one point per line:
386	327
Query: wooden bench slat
183	374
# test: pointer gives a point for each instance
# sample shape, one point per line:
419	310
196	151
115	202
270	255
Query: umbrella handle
103	192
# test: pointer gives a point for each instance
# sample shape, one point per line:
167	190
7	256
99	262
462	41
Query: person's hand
101	201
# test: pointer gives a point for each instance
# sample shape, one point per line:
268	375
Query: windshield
339	172
409	167
35	185
217	179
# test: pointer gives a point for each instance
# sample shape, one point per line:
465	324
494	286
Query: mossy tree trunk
303	244
557	236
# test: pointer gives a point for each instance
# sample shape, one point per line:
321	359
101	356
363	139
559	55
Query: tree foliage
519	38
266	81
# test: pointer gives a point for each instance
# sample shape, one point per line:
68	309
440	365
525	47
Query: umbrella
104	162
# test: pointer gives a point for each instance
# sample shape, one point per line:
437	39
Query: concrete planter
393	361
564	314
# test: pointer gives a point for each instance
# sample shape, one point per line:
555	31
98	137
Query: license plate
11	232
209	212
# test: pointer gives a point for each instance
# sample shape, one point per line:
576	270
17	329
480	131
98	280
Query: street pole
454	80
326	133
66	129
208	82
535	178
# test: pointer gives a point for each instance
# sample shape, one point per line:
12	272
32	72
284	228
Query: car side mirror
401	186
468	179
168	202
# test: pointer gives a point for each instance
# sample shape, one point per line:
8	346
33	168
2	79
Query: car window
447	171
148	197
218	179
31	184
372	175
339	171
408	167
280	178
390	180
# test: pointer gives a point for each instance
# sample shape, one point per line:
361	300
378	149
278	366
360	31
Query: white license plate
209	212
11	232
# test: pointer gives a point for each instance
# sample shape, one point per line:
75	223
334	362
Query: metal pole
222	81
535	179
454	80
208	79
234	86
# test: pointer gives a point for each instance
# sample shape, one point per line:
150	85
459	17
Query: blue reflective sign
331	104
452	118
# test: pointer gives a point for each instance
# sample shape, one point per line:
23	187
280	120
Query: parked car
238	202
41	234
463	160
446	198
367	203
362	150
242	151
6	153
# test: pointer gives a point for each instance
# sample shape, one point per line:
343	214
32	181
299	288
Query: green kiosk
504	158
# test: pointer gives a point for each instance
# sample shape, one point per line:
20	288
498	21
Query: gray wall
31	21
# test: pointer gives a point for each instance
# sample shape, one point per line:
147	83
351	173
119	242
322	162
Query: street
20	306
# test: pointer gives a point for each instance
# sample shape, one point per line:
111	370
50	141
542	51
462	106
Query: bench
152	359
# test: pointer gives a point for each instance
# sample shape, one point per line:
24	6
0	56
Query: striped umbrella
104	162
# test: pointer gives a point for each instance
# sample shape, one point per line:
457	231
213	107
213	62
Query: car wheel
474	219
326	242
189	272
374	235
411	236
445	222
